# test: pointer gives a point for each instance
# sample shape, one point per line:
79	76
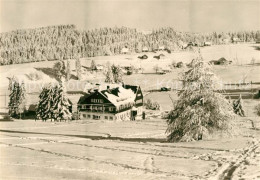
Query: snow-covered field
133	149
124	150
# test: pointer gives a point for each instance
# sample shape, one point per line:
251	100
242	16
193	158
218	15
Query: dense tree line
66	42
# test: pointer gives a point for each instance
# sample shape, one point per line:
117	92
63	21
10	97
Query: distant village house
124	50
145	49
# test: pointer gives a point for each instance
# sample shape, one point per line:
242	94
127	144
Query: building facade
120	103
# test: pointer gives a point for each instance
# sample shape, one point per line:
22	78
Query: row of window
97	100
124	106
124	115
101	108
97	116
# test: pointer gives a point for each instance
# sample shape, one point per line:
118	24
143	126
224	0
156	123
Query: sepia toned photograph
130	89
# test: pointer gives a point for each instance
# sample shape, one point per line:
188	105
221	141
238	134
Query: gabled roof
117	96
83	98
124	50
132	87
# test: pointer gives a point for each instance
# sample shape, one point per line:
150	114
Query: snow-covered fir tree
17	97
68	71
21	99
53	104
199	110
61	104
13	99
44	109
78	68
60	69
238	106
93	65
109	75
117	73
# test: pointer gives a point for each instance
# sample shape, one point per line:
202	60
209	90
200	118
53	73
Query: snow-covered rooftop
119	96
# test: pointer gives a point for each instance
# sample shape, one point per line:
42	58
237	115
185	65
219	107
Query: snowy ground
124	150
132	150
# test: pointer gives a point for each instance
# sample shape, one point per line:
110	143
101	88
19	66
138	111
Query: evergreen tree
53	104
93	65
78	68
117	73
16	97
61	104
13	98
60	69
44	108
199	110
238	106
12	80
68	71
109	75
21	99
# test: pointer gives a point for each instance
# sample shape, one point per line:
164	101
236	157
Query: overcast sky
183	15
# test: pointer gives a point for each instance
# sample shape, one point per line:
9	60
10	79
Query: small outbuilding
124	50
207	43
161	48
145	49
221	61
99	67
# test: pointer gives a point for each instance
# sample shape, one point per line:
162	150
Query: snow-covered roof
100	87
161	47
124	50
145	48
99	67
119	96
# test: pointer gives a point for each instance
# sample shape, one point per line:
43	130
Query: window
96	117
83	106
111	109
97	100
111	117
106	117
89	116
139	101
84	115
